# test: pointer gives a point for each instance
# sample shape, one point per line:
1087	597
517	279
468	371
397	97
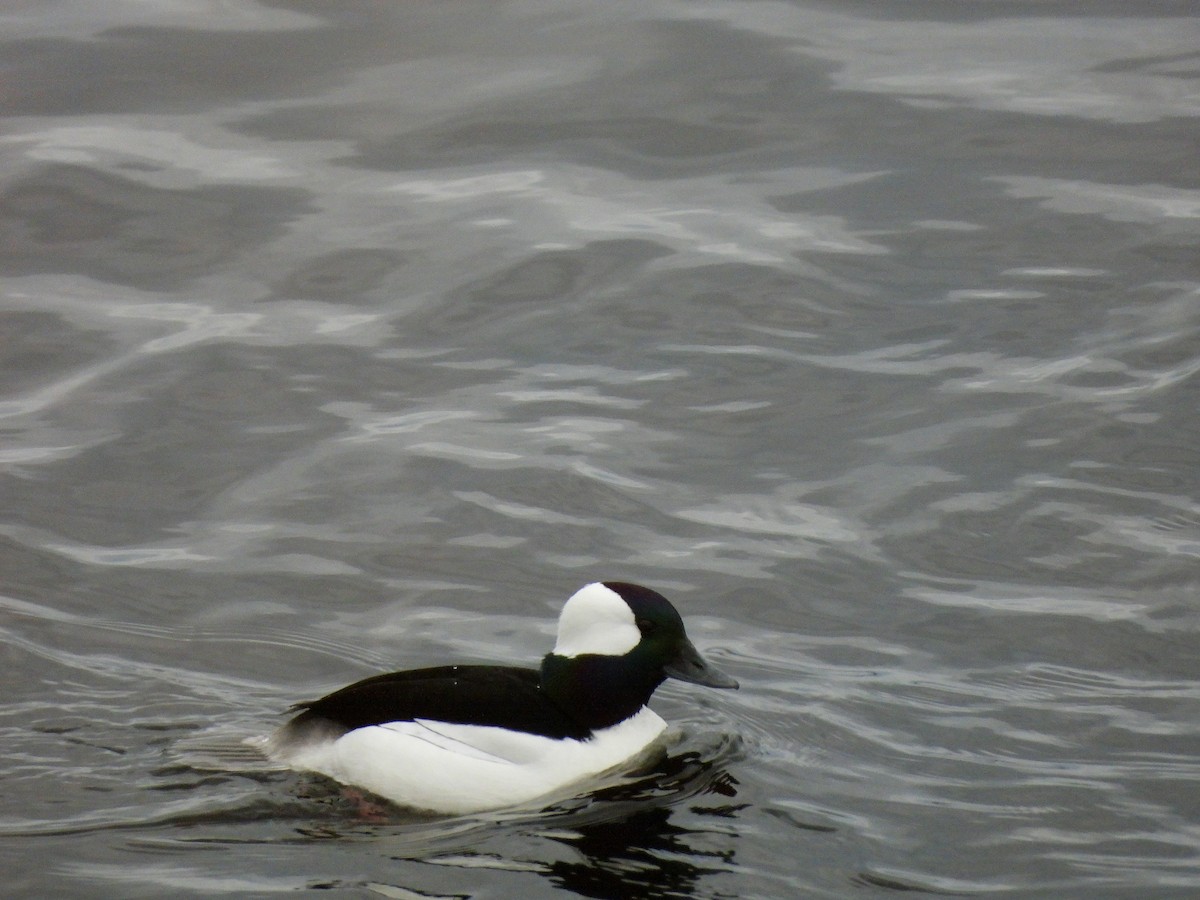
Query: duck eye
645	626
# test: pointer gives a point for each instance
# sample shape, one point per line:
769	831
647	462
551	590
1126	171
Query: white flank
596	620
452	768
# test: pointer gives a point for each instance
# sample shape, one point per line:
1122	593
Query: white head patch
596	620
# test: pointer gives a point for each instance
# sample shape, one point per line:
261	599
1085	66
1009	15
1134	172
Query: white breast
454	768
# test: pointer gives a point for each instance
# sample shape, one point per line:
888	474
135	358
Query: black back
500	696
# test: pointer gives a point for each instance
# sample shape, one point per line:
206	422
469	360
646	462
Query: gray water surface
337	338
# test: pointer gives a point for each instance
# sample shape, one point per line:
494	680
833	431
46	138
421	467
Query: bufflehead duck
462	739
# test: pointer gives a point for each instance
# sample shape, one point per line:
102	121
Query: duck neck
597	690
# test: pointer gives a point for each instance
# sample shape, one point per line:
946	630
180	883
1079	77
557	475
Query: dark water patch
148	69
340	277
628	116
79	220
198	399
35	347
512	301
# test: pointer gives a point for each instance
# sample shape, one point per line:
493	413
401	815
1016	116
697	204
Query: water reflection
639	848
644	855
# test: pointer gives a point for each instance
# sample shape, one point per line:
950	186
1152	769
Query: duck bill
689	665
